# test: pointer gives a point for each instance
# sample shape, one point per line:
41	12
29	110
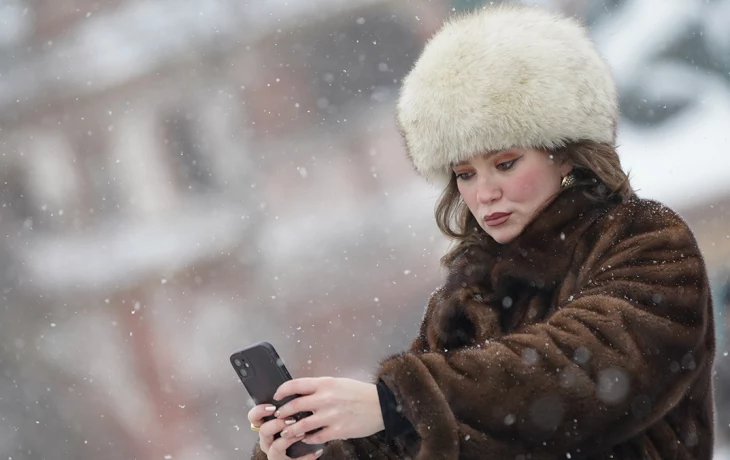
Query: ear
565	167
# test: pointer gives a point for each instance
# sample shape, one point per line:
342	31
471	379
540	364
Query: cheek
527	185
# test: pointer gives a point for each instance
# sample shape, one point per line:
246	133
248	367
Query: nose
488	191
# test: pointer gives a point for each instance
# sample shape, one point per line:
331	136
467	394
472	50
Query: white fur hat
503	77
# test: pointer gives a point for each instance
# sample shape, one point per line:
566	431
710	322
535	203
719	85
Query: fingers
279	447
295	406
304	386
270	429
322	437
257	414
267	430
303	426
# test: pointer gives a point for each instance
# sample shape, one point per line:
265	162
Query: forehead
483	156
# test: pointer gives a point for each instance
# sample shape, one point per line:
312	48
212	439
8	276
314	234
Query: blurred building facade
181	179
149	149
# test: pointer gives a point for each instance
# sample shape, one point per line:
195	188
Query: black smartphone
262	372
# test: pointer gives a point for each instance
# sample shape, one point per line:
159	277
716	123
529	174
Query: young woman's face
504	190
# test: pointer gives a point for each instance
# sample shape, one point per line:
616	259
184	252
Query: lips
497	218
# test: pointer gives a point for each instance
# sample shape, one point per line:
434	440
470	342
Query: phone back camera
243	372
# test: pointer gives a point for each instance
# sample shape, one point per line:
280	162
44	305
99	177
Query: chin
503	235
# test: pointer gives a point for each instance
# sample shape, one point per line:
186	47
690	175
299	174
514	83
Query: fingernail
277	413
319	453
284	433
289	422
269	408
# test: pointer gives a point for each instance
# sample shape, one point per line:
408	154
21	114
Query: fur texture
506	76
591	335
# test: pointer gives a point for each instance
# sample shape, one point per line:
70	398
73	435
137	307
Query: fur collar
486	278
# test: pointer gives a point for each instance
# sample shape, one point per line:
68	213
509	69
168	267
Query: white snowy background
181	178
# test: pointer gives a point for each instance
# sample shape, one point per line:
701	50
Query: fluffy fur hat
503	77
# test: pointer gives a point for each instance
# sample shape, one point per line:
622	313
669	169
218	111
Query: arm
348	409
380	446
634	332
395	423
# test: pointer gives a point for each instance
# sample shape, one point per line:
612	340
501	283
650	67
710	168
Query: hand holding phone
262	372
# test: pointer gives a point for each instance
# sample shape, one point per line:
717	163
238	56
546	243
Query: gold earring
568	180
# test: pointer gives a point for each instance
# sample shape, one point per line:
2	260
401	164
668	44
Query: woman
575	320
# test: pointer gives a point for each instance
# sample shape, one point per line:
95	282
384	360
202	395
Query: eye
507	165
464	175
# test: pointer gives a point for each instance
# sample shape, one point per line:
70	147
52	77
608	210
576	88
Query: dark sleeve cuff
396	424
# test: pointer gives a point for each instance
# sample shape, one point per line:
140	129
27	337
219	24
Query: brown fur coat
589	336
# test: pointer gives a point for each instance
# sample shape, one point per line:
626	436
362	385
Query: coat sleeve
610	361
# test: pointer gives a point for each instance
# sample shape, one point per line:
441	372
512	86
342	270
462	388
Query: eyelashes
503	166
507	165
464	176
